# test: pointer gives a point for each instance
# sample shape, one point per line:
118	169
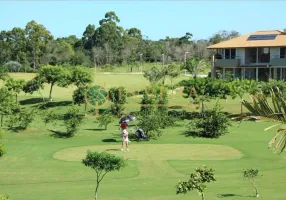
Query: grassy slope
29	170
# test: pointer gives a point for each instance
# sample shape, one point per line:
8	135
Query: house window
230	53
283	52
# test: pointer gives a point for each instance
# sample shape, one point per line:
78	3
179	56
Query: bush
72	121
105	119
212	124
4	197
2	150
21	119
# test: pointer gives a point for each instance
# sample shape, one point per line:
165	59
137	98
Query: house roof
242	42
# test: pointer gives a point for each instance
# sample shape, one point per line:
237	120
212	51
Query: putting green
155	152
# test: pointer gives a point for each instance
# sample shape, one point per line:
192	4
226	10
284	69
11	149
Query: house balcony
278	61
232	62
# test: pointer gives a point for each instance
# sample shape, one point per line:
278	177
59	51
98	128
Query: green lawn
40	166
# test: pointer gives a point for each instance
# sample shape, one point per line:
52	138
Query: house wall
240	53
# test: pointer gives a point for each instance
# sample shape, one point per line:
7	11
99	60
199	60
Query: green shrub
72	121
2	150
105	119
4	197
21	119
212	124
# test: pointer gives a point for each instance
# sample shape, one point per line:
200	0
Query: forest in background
103	45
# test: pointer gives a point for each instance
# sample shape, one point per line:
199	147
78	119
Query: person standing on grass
124	133
125	140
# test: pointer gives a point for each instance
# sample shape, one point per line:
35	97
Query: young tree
72	121
238	88
54	75
3	72
118	96
105	119
197	181
36	84
79	96
102	163
251	174
16	86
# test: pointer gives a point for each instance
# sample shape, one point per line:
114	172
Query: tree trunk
34	60
96	193
256	191
203	196
85	105
51	89
241	108
16	98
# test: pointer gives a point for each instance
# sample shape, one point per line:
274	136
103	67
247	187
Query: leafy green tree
80	76
36	84
54	75
79	96
102	163
15	86
4	197
6	103
3	72
73	119
213	124
204	89
251	175
13	66
238	88
118	96
197	181
105	119
38	37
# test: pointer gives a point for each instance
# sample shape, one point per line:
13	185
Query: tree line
29	48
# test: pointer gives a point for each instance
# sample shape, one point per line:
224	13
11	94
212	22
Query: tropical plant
262	110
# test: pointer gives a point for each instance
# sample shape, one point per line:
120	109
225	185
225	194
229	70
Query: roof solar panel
262	37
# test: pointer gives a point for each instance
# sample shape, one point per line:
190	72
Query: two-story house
260	55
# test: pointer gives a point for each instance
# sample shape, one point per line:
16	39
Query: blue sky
156	19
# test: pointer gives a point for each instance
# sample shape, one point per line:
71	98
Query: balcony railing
278	60
229	61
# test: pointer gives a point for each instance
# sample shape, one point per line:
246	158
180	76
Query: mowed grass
40	166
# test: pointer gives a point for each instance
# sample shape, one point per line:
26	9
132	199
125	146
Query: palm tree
260	107
195	65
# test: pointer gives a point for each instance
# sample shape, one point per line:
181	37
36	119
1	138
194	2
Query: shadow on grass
109	140
59	134
16	129
113	149
52	104
231	195
32	101
175	107
95	129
